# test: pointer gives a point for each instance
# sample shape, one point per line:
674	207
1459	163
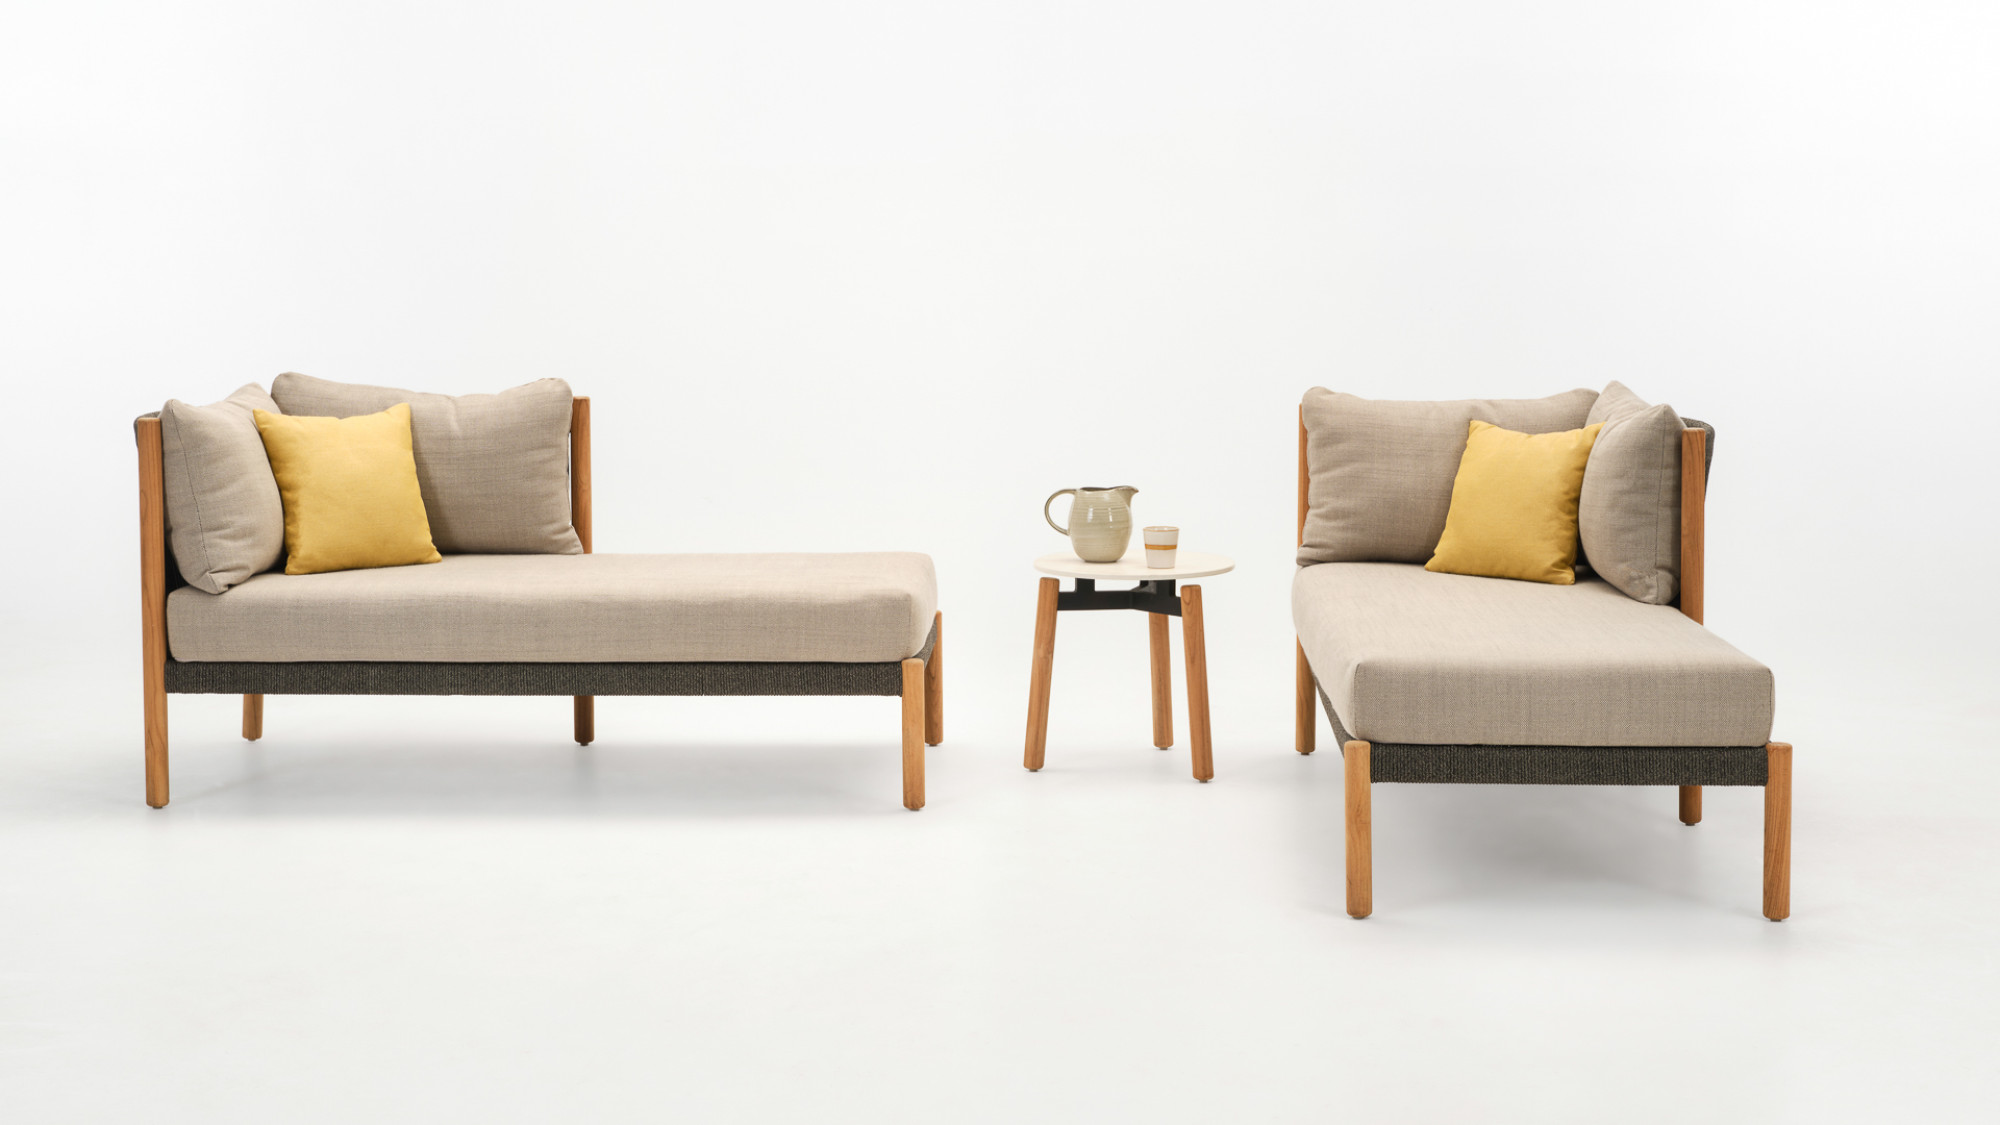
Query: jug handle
1070	492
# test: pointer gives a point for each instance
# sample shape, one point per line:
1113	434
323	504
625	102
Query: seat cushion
1407	655
846	608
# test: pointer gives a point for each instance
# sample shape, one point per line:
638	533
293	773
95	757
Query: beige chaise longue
519	604
1453	678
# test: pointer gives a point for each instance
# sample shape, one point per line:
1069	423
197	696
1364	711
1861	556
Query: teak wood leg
1690	804
156	742
1305	724
253	717
934	686
153	607
1360	828
913	733
156	739
1196	649
1163	681
1040	674
1778	832
579	515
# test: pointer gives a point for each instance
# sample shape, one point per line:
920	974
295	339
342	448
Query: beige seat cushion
1408	655
850	608
225	518
1629	515
1382	471
494	469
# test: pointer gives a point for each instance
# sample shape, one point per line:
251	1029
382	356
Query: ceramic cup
1161	547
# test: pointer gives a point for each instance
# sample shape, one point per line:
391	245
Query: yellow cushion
350	490
1513	505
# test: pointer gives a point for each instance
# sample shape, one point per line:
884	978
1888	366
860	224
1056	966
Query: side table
1154	596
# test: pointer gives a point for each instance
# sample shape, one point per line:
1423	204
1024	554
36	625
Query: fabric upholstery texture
564	608
1410	656
350	491
1629	513
494	467
360	677
1513	505
1382	471
224	516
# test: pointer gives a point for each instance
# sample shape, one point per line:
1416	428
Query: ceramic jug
1100	521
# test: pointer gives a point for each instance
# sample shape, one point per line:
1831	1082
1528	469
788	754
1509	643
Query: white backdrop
882	276
885	277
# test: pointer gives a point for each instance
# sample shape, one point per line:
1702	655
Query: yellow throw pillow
350	490
1513	505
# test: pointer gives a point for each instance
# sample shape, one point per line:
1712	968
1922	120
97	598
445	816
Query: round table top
1133	568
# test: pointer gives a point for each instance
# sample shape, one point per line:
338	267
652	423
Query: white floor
442	910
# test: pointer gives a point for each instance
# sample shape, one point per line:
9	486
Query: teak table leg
1163	682
1039	676
913	734
1360	832
1778	832
1197	682
1690	804
1305	724
934	685
253	717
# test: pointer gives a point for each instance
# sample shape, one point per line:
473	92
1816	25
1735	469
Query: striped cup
1161	543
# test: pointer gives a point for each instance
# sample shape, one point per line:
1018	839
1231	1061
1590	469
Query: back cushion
1382	471
1630	511
224	516
494	469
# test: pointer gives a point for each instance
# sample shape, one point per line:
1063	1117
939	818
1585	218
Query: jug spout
1125	493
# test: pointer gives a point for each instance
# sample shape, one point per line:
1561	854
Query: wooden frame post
153	606
913	734
1305	722
1694	520
1778	831
1693	562
1359	794
934	685
585	717
253	717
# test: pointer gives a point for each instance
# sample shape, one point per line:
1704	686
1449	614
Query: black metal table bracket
1154	596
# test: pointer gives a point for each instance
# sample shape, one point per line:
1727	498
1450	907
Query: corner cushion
1406	655
842	608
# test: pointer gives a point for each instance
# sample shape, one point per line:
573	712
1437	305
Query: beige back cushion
224	516
1382	471
1629	516
494	469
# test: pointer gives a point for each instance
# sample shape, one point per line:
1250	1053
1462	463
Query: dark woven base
1558	765
399	678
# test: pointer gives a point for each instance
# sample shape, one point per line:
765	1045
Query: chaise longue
518	605
1453	678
